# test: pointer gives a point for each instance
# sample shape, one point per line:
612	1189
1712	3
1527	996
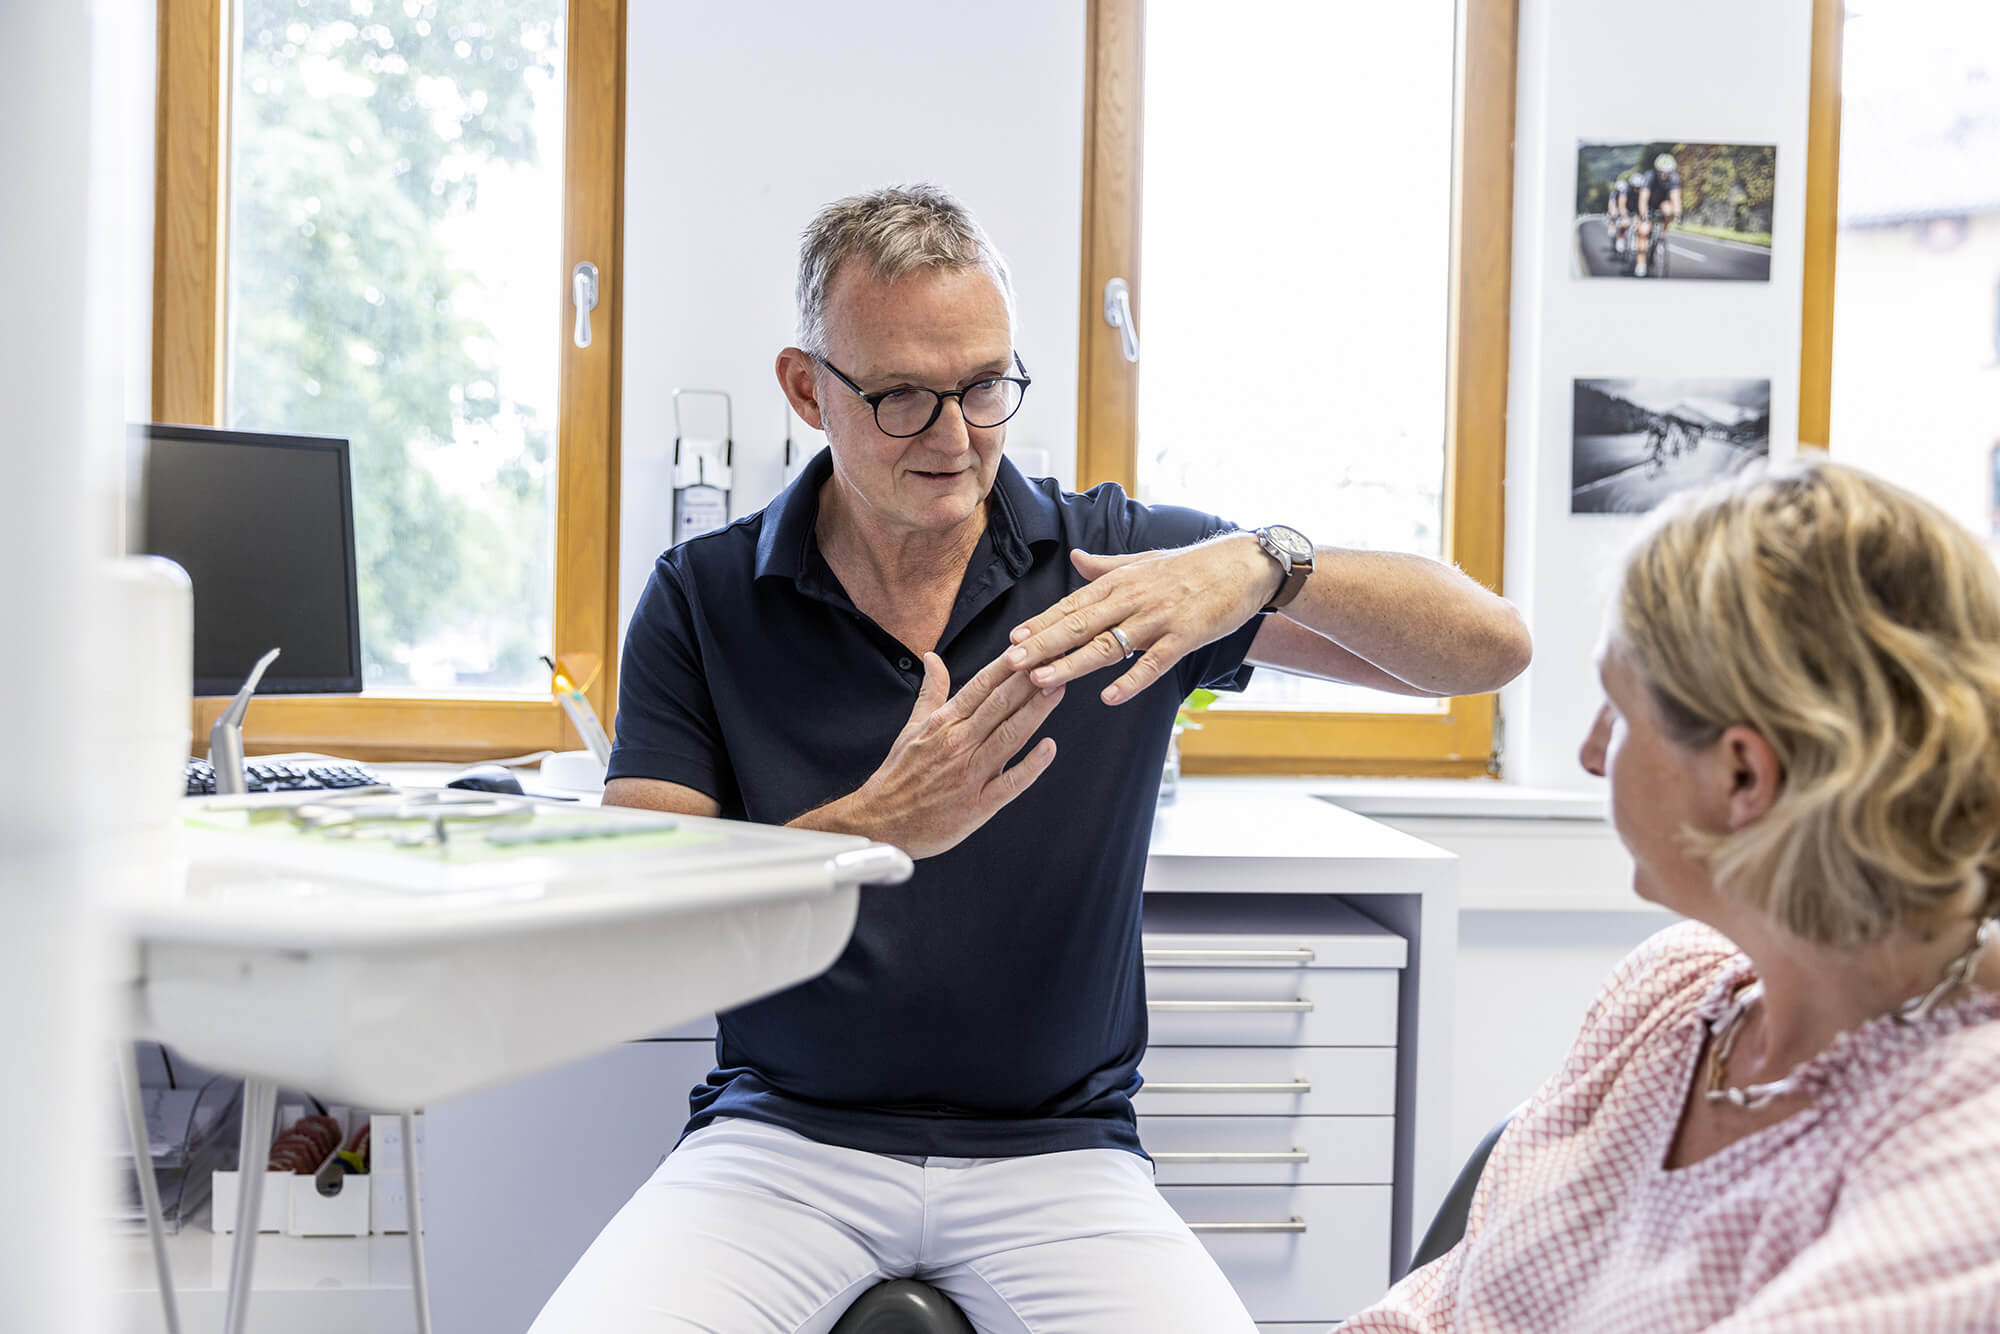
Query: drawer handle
1294	1156
1230	1006
1270	957
1293	1224
1291	1086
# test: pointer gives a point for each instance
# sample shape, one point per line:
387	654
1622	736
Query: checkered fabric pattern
1874	1211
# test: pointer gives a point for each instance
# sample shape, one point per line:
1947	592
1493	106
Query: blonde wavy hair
1857	629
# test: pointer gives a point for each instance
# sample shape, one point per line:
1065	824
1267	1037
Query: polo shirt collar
1021	517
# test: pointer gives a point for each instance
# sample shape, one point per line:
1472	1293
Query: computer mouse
487	778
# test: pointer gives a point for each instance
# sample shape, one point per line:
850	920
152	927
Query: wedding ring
1124	644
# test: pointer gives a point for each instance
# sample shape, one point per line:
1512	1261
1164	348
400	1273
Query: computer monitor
264	526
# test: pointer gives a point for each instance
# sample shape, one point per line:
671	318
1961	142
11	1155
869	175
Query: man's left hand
1166	604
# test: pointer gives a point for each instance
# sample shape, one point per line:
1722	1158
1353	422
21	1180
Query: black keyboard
260	776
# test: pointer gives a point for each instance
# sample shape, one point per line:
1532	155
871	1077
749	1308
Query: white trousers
747	1228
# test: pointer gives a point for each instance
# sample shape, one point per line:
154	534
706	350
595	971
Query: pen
577	705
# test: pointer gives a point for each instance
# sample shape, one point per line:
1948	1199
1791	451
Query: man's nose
1591	755
949	431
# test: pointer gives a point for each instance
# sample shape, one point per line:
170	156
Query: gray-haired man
885	650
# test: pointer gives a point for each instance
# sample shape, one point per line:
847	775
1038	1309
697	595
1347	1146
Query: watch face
1290	541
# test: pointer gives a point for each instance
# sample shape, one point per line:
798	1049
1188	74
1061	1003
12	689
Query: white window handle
1118	314
583	294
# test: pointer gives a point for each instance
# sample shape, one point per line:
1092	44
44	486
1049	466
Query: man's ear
1754	772
796	376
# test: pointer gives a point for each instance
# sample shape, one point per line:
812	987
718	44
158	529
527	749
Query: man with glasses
884	650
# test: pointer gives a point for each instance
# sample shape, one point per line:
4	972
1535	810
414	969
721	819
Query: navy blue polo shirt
994	1005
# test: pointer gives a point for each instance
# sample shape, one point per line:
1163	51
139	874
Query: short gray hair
898	230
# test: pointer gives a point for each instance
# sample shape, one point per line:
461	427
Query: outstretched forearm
1418	620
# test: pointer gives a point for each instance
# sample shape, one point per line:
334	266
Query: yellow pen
576	704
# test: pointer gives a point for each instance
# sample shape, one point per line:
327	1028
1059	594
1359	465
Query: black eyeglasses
911	410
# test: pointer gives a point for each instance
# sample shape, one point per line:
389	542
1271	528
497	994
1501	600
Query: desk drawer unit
1269	1101
1270	1007
1294	1253
1271	1150
1267	1081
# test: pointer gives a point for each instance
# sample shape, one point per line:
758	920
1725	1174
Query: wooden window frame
1822	225
190	250
1458	742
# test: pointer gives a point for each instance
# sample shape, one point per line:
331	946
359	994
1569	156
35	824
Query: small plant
1170	773
1193	704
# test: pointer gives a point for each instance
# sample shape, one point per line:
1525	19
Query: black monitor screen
264	527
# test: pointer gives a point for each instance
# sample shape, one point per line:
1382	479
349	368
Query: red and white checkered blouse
1875	1210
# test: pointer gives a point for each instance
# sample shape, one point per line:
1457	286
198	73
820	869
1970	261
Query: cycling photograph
1674	210
1633	443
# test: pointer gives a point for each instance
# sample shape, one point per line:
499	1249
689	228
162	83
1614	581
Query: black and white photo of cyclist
1674	210
1633	443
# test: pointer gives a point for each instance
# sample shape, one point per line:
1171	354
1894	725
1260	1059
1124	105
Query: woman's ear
1755	774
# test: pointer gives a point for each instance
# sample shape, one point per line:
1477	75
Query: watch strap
1295	579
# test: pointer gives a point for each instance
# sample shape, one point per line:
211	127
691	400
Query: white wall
1547	967
74	79
742	120
1721	71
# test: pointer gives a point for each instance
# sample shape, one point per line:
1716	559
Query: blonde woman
1783	1115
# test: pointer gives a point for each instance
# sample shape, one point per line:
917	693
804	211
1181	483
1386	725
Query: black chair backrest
1448	1225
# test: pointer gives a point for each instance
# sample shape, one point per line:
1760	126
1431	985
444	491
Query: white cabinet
1190	1005
1294	1253
1271	1150
1270	1096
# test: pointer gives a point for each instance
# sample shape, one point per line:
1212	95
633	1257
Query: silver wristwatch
1293	551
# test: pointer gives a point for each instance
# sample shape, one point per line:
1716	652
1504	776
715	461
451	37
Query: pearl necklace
1723	1032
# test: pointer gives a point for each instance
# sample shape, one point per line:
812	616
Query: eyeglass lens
908	412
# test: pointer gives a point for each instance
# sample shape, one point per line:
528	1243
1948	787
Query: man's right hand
947	773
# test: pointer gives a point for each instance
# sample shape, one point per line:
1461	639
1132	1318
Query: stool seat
904	1306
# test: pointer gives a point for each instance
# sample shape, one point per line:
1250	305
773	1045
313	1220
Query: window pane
1916	328
1295	241
396	188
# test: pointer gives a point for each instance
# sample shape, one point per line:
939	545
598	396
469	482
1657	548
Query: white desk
395	990
391	996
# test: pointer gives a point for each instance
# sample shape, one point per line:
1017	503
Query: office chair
903	1306
1448	1224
